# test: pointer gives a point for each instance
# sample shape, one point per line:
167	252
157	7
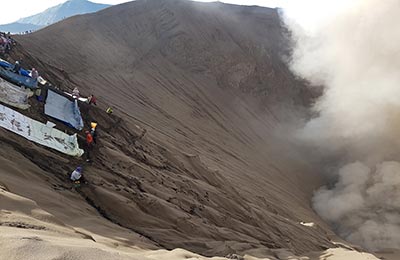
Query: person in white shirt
76	175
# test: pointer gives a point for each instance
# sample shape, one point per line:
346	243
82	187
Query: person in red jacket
89	138
89	144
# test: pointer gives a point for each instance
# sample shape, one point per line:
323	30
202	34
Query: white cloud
15	9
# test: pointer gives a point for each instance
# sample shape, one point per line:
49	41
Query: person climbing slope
92	100
93	131
17	67
34	73
89	144
76	175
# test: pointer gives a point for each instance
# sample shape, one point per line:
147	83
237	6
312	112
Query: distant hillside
19	27
52	15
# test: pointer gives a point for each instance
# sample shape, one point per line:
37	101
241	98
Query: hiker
17	67
3	44
34	73
109	110
89	144
93	125
76	174
75	93
38	94
93	131
92	100
8	46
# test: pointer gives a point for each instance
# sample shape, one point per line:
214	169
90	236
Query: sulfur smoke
353	53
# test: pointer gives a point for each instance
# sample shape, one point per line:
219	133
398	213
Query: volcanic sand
215	173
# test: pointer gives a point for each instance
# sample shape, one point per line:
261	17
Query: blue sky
12	10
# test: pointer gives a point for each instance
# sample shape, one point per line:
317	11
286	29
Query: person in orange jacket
89	144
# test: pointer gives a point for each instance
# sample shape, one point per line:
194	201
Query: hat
93	125
79	168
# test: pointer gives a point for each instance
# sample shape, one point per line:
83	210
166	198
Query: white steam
364	204
353	51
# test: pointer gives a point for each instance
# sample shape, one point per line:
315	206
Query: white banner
39	132
13	95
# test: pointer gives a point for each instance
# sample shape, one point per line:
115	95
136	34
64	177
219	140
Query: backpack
89	138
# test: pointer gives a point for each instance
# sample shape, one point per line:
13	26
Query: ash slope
208	83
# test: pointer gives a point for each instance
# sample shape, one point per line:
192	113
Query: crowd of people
33	73
91	137
6	43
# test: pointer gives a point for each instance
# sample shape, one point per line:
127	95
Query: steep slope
53	15
216	172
